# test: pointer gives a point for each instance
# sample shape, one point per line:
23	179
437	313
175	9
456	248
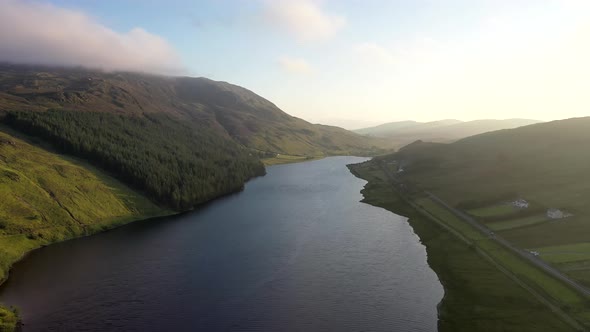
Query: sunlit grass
46	198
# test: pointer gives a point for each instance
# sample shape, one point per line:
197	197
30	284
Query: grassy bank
544	165
486	288
280	159
47	198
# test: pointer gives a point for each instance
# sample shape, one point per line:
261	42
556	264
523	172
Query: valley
85	151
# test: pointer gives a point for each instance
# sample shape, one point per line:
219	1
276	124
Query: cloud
38	33
295	65
303	19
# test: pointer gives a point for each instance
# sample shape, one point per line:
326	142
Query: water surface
295	251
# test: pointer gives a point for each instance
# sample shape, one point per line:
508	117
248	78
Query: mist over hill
404	132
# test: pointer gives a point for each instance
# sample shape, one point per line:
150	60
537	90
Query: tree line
176	164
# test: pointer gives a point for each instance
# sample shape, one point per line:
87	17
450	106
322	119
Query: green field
478	296
515	223
288	159
565	253
48	198
494	210
546	164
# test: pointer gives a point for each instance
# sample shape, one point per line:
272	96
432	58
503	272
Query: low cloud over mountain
37	33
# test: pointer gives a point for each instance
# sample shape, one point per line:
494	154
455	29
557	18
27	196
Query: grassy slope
545	163
478	297
387	128
47	198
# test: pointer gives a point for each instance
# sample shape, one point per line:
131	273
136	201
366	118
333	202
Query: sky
351	63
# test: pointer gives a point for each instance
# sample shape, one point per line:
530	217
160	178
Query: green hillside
174	164
478	295
227	109
47	198
180	140
517	199
544	164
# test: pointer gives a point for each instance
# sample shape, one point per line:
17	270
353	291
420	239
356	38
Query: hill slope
442	131
176	165
46	198
546	164
522	196
228	109
181	140
387	128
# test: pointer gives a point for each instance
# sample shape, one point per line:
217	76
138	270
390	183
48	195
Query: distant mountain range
404	132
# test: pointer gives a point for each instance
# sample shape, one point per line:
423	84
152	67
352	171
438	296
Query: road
486	231
522	253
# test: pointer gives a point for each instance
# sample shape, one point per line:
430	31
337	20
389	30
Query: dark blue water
296	251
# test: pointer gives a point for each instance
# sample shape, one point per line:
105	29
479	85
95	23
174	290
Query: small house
520	203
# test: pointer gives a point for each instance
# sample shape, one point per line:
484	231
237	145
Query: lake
295	251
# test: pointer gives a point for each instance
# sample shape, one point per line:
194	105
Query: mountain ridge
237	112
441	131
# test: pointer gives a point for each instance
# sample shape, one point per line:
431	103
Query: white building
520	203
558	214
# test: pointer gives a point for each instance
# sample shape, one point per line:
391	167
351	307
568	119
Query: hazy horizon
332	62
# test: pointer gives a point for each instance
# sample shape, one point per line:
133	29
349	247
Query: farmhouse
520	203
557	214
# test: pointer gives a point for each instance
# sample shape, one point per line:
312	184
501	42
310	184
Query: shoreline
10	319
109	226
10	312
288	159
15	322
478	294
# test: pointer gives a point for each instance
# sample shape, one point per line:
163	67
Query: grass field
48	198
478	296
573	259
288	159
526	272
494	210
565	253
518	222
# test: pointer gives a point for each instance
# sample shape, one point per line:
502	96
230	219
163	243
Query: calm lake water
295	251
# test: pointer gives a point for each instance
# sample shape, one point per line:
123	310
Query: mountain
230	110
182	141
546	164
441	131
386	128
390	128
82	151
